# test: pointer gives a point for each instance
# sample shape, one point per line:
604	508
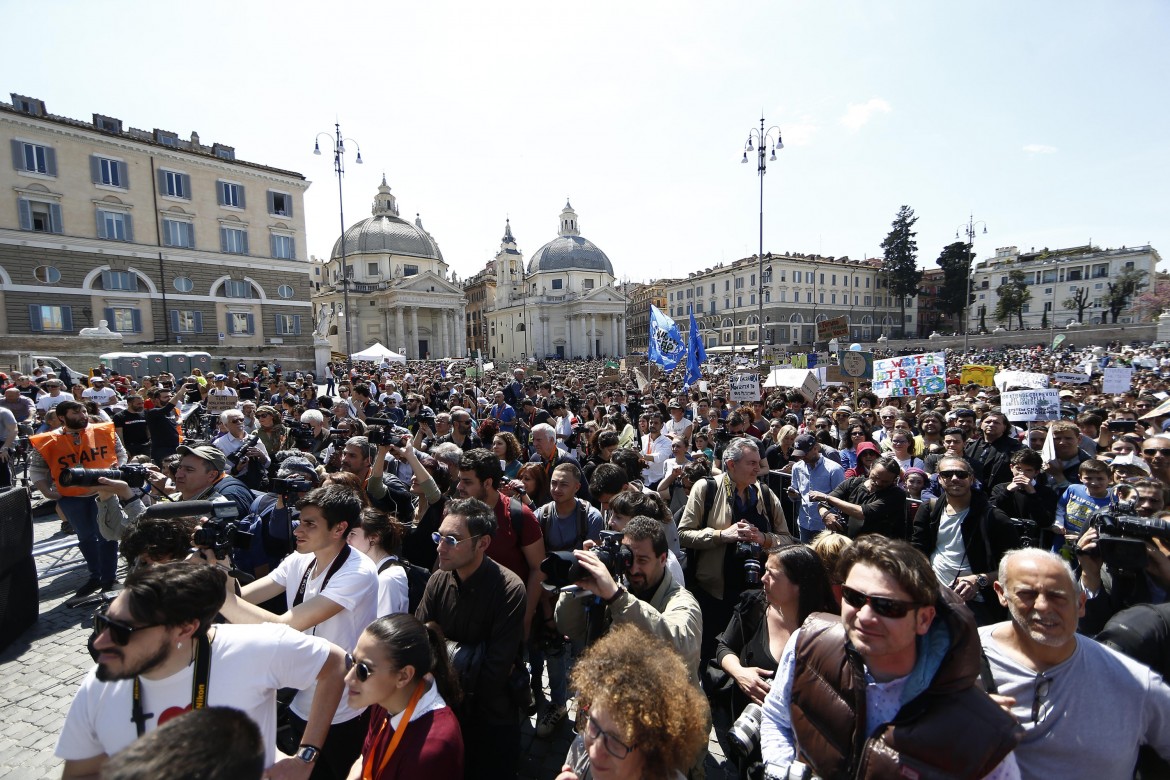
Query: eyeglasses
451	541
363	670
957	474
120	633
856	433
614	746
886	607
1152	451
1039	694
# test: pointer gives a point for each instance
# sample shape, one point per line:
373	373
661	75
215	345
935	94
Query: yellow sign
984	376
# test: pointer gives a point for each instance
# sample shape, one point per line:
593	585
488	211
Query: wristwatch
981	581
308	753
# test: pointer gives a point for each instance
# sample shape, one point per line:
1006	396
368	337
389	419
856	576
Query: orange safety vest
96	449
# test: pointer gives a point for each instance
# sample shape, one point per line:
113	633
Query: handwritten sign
220	403
1117	380
744	387
1028	405
855	365
835	328
1026	379
984	376
1070	378
909	375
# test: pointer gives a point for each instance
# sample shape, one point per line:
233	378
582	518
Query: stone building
564	305
400	291
642	297
169	240
480	291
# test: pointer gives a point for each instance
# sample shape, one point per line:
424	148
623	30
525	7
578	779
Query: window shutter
251	324
161	176
296	324
108	316
231	323
292	249
95	168
288	206
50	161
186	185
198	322
101	225
67	317
55	216
133	280
244	237
219	192
188	231
34	316
272	241
271	202
223	239
123	175
129	218
25	209
107	280
18	155
243	200
175	320
136	320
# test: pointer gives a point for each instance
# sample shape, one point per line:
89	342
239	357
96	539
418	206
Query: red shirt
504	550
431	746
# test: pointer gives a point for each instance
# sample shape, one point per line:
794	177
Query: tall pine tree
900	261
955	261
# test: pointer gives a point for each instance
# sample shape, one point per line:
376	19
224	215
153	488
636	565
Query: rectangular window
726	285
39	216
867	282
822	278
822	298
835	279
178	233
233	241
124	319
753	281
752	299
699	307
288	324
783	296
1075	274
671	296
231	194
186	321
868	300
371	268
34	158
588	285
410	270
557	284
808	298
712	288
1048	277
1101	270
111	173
174	184
50	319
280	204
240	324
796	275
237	288
114	225
833	297
738	301
119	280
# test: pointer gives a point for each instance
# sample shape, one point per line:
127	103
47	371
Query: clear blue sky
1046	119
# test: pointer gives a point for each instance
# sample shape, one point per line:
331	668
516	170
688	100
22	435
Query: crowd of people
413	551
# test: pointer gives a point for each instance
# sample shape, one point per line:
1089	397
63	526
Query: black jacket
996	458
987	534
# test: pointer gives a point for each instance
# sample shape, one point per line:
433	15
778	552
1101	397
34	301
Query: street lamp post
339	168
763	139
969	229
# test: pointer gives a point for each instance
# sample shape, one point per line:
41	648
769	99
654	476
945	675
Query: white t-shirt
393	590
249	663
47	402
355	588
949	559
103	395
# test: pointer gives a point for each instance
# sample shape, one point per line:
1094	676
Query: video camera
302	434
287	487
220	532
133	475
235	458
1122	535
383	431
562	569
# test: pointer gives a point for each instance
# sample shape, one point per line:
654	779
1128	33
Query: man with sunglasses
156	640
480	605
1156	451
904	657
1059	685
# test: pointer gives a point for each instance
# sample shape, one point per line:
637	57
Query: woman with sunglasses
639	720
856	433
867	454
400	670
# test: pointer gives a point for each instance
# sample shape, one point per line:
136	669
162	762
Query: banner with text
1028	379
984	376
1117	380
1070	378
744	387
1029	405
924	374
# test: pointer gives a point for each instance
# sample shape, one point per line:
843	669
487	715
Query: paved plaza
40	672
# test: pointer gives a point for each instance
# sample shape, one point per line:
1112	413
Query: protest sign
835	328
855	365
1029	405
1117	380
220	403
802	379
1028	379
984	376
924	374
1070	378
744	387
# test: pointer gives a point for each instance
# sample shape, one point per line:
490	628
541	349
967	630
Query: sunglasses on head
886	607
120	633
362	671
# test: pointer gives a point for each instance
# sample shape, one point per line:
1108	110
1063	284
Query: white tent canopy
377	353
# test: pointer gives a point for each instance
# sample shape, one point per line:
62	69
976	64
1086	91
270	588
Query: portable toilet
126	363
156	363
178	363
136	363
201	361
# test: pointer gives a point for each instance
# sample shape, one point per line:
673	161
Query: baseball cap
804	443
220	378
205	452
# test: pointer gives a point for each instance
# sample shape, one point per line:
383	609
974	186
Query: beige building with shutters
169	240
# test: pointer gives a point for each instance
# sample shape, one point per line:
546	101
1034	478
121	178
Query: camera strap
200	682
338	562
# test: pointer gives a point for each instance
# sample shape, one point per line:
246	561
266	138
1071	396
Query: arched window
796	318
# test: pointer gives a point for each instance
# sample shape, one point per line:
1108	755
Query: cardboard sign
744	387
220	403
855	365
836	328
802	379
984	376
1117	380
909	375
1028	379
1029	405
1070	378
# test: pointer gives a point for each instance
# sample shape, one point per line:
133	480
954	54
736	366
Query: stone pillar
584	336
399	333
412	343
461	337
622	325
545	343
613	342
592	333
445	349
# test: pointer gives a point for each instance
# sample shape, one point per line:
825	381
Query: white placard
1028	405
1066	378
1117	380
744	387
220	403
1020	379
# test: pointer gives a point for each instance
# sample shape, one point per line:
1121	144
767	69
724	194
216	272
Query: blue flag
666	345
696	355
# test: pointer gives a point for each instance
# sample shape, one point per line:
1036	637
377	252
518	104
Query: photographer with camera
85	445
246	454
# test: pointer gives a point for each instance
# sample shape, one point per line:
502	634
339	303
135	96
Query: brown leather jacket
952	729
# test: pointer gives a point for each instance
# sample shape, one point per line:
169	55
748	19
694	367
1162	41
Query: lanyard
199	686
337	563
402	724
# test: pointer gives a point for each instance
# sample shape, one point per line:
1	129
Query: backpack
708	502
546	515
416	579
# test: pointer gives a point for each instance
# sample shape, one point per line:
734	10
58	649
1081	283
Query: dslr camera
221	531
383	431
750	552
1122	535
133	475
562	569
289	487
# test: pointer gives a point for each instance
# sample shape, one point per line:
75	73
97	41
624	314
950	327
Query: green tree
1013	296
1079	301
900	260
982	318
1122	291
955	262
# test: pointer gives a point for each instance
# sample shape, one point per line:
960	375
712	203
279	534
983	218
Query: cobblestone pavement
41	670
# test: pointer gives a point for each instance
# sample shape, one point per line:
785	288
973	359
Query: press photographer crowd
951	565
